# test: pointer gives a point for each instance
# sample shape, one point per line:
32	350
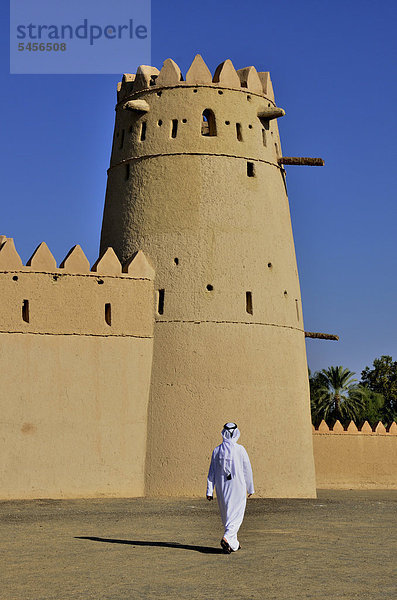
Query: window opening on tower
174	128
248	303
108	313
250	169
122	138
265	127
297	308
160	301
239	132
143	131
25	311
208	123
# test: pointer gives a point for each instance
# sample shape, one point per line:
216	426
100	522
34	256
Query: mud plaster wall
74	389
355	461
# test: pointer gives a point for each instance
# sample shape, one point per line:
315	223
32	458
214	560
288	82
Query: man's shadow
202	549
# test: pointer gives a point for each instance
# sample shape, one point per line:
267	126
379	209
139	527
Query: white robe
231	494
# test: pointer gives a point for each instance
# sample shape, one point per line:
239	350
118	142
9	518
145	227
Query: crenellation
366	428
145	77
170	74
75	261
149	78
225	74
198	72
323	427
338	427
107	263
9	257
126	86
392	429
139	266
267	86
249	79
42	259
380	429
352	429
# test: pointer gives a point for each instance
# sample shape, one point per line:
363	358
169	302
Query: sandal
225	547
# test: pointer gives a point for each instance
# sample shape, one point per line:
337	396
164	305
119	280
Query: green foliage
373	411
335	394
382	379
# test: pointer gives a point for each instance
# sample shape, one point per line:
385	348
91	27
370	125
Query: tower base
253	374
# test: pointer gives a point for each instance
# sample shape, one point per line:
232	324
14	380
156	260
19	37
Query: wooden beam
321	336
301	160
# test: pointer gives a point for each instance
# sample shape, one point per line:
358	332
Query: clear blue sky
333	66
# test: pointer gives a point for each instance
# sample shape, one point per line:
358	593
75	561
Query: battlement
75	262
108	299
365	429
353	458
248	79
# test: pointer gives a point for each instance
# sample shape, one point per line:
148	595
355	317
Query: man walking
231	474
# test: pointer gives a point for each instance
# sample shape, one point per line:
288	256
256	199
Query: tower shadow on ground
202	549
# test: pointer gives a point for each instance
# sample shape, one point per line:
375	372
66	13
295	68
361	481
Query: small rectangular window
248	303
239	132
160	302
250	169
108	313
143	131
174	129
25	311
264	137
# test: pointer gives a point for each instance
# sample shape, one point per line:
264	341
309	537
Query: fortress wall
74	378
355	460
73	415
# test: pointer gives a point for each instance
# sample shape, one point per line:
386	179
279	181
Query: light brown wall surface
74	389
355	460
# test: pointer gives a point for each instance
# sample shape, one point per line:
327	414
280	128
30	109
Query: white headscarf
226	449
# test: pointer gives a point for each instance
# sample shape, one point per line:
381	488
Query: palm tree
336	395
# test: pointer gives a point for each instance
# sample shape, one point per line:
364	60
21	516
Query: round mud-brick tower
195	183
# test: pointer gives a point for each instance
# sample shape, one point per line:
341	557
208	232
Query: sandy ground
340	546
